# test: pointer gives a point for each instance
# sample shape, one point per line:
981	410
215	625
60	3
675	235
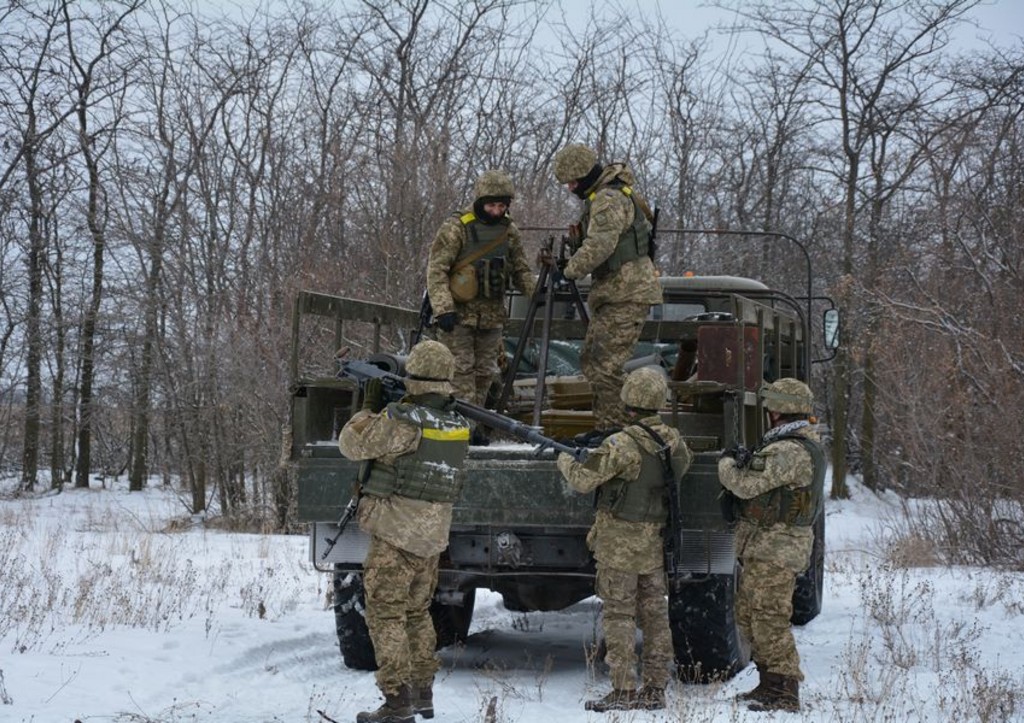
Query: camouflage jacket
617	543
611	213
416	526
782	463
446	249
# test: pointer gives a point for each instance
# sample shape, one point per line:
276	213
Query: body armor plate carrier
433	471
797	507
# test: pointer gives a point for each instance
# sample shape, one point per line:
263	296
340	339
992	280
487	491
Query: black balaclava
481	212
583	185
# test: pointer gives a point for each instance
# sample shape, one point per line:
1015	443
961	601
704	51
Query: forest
171	175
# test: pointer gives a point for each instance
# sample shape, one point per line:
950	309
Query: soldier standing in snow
474	256
415	449
778	492
626	539
611	243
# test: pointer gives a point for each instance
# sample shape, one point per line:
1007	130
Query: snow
118	606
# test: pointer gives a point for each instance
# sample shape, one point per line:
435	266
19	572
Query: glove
740	454
447	321
557	277
373	395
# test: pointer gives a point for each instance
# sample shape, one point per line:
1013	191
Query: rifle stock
394	389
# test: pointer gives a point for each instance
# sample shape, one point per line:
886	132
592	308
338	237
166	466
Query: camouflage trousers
764	605
399	587
476	360
612	335
630	601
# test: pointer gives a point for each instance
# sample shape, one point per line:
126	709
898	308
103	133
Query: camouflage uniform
774	538
619	299
629	552
407	534
480	320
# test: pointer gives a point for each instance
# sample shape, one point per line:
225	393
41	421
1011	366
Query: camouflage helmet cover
645	388
493	183
430	361
787	396
574	161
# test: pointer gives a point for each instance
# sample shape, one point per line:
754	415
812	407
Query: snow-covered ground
114	608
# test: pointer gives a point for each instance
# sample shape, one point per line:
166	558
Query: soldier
415	449
474	256
611	244
777	496
629	472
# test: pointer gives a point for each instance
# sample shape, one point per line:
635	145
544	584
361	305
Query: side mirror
830	328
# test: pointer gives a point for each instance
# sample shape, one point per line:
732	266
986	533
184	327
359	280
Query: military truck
517	529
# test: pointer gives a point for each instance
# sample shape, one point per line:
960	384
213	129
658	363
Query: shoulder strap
664	454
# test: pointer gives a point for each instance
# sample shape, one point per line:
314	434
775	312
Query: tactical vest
433	471
796	507
633	242
490	268
641	500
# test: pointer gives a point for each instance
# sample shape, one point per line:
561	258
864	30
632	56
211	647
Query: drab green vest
633	242
433	471
491	271
796	507
644	499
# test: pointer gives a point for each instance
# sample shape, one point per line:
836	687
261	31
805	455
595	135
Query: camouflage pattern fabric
764	604
624	545
478	313
416	526
771	556
630	600
399	586
611	337
476	364
630	556
611	213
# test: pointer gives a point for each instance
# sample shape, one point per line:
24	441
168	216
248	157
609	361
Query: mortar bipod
543	295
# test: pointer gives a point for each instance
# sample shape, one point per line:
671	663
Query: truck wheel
350	621
702	615
451	622
809	584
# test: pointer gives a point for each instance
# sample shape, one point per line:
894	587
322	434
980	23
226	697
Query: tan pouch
462	283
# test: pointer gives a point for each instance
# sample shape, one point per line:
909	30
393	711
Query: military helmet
645	388
494	184
788	396
574	161
430	361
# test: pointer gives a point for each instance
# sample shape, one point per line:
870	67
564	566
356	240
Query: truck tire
810	583
350	621
451	622
708	644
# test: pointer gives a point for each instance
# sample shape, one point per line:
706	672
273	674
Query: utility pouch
462	283
490	275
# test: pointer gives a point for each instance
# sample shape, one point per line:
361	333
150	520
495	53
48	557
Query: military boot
783	693
397	708
650	697
615	700
423	699
759	692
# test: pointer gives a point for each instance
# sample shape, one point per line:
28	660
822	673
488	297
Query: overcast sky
1000	22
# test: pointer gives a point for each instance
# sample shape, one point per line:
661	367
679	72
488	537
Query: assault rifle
346	514
393	387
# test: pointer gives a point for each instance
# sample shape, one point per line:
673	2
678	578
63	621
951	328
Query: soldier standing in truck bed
475	255
415	449
611	243
778	491
632	509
